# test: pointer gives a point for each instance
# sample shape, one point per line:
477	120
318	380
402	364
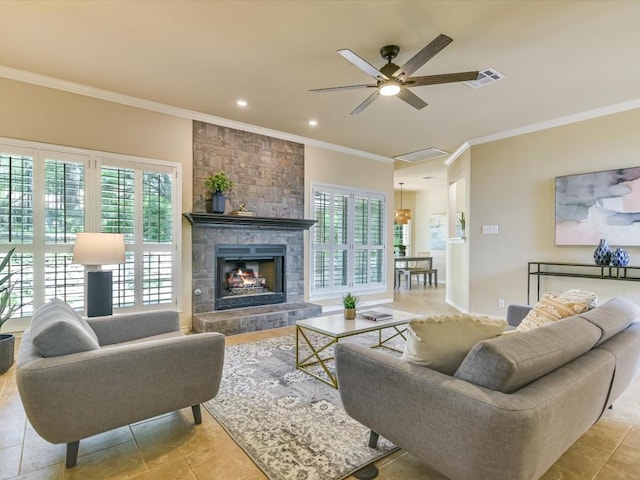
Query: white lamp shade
98	248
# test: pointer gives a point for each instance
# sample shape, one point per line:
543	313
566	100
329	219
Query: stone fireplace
248	271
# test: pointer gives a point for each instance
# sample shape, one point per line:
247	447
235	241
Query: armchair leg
373	439
72	453
197	416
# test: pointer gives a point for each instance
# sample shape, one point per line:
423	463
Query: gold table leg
315	357
305	363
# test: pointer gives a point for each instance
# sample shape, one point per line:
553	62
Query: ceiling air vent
420	155
485	77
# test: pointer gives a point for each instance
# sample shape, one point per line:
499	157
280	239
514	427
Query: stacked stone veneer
268	174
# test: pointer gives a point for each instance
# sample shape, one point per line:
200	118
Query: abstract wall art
591	206
438	231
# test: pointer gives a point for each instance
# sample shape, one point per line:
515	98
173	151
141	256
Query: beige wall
513	185
458	175
341	169
428	202
50	116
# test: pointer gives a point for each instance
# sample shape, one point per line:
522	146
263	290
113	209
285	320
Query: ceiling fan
394	80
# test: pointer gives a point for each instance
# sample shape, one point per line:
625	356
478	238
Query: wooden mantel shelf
273	223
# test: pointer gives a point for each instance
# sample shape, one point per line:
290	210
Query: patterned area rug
292	425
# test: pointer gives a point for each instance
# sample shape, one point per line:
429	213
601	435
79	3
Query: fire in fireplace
249	275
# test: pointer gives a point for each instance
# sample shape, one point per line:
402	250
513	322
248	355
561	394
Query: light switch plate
490	230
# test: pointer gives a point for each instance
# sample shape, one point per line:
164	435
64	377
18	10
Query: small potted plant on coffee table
350	301
218	184
7	308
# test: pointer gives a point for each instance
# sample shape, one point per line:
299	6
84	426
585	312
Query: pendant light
402	215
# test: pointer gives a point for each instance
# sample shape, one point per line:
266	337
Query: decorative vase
218	202
349	313
619	258
7	342
602	253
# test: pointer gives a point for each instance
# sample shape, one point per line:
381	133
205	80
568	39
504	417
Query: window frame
335	291
93	161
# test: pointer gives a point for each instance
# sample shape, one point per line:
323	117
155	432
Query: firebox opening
249	275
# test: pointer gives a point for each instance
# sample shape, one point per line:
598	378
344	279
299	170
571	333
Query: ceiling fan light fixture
389	88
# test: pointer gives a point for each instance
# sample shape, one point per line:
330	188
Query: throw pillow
551	308
582	296
57	329
442	342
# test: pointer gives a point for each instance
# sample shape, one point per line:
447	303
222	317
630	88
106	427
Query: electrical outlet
501	302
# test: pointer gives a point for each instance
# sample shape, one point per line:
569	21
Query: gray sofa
140	367
514	406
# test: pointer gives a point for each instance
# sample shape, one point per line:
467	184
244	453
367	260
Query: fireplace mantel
273	223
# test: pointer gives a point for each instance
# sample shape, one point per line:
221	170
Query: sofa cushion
509	362
551	308
612	317
57	329
441	342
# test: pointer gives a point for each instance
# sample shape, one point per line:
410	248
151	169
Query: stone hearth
251	319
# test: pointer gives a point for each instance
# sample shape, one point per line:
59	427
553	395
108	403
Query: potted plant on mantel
350	301
7	340
218	184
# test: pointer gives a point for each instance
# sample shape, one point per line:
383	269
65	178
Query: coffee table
331	328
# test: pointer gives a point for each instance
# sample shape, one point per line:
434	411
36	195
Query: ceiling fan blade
412	99
362	64
423	56
347	87
443	78
366	103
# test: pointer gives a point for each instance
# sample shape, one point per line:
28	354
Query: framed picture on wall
591	206
438	231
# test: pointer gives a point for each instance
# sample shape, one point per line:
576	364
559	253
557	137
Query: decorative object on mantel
218	184
241	211
602	253
619	258
350	301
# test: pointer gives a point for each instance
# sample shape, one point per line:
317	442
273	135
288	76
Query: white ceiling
560	58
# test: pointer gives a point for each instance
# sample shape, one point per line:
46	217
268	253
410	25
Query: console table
578	270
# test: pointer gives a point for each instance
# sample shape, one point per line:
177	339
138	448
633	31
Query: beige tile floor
171	447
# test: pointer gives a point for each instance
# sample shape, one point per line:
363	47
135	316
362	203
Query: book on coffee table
374	316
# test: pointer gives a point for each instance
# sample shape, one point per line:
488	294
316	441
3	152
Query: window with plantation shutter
16	198
139	204
347	241
47	195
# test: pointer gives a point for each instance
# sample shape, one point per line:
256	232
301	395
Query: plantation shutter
347	241
47	195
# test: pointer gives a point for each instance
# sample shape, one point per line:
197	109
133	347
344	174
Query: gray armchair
142	366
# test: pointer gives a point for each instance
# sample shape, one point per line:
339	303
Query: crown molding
106	95
558	122
458	151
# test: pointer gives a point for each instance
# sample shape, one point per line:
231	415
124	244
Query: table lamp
95	250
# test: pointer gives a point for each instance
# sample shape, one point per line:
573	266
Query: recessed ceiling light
313	123
242	103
